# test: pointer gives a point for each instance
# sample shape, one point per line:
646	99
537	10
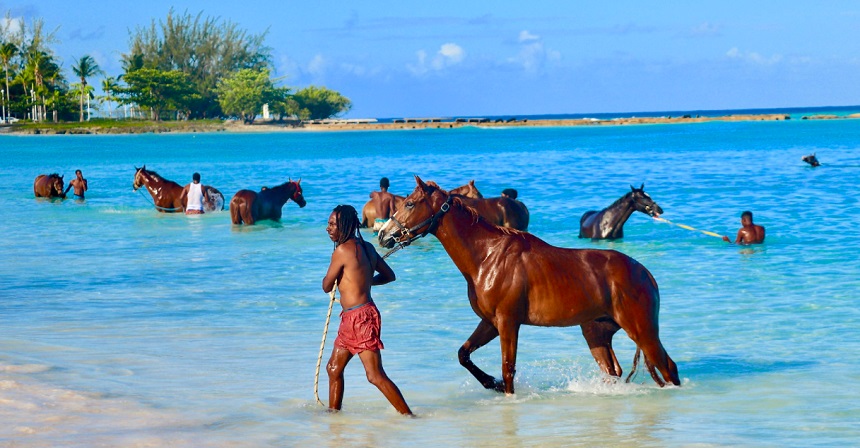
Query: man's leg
372	360
336	364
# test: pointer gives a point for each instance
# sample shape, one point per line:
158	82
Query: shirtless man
196	194
750	233
353	264
79	184
383	202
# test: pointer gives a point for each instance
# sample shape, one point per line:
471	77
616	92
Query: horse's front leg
508	337
485	333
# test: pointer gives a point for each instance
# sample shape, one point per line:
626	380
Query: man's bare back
383	203
748	234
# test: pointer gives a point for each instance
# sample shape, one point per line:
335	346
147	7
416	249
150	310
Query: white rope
322	344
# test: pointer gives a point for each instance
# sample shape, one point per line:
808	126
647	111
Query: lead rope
689	228
322	344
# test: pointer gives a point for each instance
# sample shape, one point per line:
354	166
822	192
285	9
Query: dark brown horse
167	194
514	278
608	224
501	211
368	212
49	186
248	207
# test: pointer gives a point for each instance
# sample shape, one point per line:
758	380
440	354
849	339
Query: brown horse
248	207
167	194
368	212
514	278
49	186
501	211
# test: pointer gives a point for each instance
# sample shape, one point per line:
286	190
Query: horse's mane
617	201
458	202
53	175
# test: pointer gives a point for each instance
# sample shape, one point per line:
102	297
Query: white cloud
526	36
705	29
449	54
751	57
317	65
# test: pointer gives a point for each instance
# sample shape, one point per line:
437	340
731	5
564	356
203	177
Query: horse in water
608	224
514	278
248	207
49	186
368	212
811	159
501	211
166	194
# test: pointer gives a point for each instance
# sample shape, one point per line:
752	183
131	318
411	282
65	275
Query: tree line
184	67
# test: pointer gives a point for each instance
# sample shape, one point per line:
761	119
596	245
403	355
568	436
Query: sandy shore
348	125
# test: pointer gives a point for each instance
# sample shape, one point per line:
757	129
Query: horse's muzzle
386	240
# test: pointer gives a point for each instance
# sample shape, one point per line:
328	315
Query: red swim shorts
360	329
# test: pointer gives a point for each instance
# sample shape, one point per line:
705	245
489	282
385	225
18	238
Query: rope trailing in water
164	209
690	228
322	345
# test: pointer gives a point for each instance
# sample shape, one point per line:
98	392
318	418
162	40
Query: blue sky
446	58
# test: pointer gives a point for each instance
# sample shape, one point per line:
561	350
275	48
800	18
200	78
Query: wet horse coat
167	194
49	186
248	207
608	224
368	212
514	278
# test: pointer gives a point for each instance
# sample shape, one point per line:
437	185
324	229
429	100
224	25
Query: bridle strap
430	223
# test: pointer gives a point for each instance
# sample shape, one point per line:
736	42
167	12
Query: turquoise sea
121	326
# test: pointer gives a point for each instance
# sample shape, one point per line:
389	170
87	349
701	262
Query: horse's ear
420	183
643	186
632	188
299	181
472	182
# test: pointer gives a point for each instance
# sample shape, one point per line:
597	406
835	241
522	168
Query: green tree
204	48
8	51
159	90
109	87
321	103
85	67
244	93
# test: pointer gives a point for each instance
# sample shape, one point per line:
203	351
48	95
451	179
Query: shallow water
125	327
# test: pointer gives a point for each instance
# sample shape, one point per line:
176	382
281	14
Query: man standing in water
750	233
353	264
383	203
79	184
196	195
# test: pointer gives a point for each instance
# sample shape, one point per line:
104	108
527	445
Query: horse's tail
235	212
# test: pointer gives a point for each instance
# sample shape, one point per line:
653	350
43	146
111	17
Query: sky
475	58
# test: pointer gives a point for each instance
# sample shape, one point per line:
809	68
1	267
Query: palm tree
109	86
85	67
7	52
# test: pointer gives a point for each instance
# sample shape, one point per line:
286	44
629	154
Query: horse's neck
160	187
619	212
280	194
458	231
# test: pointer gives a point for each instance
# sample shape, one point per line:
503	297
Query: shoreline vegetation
104	126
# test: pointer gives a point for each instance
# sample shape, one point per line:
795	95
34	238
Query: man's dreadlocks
347	224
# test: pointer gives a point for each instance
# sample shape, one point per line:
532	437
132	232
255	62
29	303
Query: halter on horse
514	278
608	224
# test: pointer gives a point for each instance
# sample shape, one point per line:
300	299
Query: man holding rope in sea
352	268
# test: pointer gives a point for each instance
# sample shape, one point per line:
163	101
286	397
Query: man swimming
750	233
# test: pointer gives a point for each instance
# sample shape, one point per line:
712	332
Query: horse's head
297	196
139	178
418	215
643	203
469	190
811	159
57	184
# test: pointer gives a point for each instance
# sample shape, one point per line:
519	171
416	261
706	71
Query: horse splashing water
167	194
608	224
248	207
49	186
514	278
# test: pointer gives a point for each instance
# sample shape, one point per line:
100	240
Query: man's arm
184	193
86	187
335	270
385	273
69	187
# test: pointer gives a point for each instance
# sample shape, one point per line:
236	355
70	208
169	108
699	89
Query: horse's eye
410	204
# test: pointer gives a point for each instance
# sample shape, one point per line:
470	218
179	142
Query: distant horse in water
515	278
368	212
248	207
608	224
49	186
502	211
166	194
811	159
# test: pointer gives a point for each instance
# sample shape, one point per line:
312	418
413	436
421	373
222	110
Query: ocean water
121	326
